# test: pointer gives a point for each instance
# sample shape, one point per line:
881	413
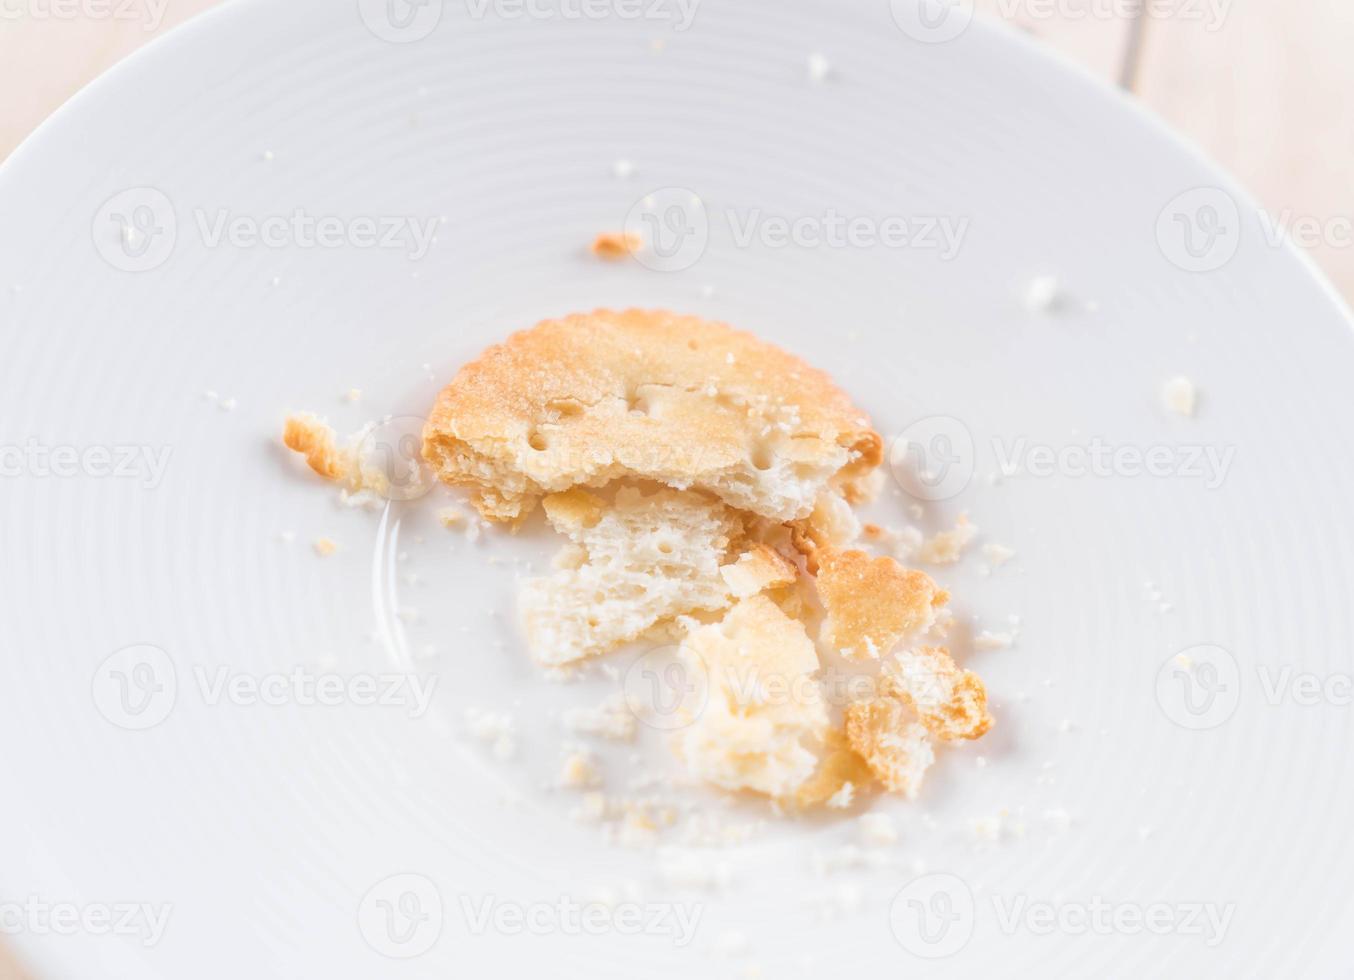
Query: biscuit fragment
761	568
951	703
874	603
631	564
592	398
839	766
762	714
895	747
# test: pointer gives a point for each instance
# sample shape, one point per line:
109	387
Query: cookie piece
682	401
895	746
874	603
951	702
762	713
632	563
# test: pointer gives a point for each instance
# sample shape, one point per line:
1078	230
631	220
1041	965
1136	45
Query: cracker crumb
994	640
819	67
614	246
494	728
324	547
1043	294
997	554
877	830
947	547
1180	396
579	772
612	719
623	169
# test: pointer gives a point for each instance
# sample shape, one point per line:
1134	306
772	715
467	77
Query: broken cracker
873	604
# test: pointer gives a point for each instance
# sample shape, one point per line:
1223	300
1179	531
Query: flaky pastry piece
762	715
632	563
896	747
872	604
951	702
678	400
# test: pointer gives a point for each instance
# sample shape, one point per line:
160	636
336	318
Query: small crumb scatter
613	246
324	547
1180	397
947	547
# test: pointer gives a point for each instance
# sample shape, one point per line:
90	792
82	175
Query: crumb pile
703	484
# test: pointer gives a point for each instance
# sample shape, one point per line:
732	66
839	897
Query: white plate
270	829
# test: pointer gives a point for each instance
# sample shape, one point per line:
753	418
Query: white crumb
1043	294
1180	396
324	547
819	67
997	554
494	728
993	640
611	719
623	169
877	830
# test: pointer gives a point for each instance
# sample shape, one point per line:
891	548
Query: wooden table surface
1263	86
